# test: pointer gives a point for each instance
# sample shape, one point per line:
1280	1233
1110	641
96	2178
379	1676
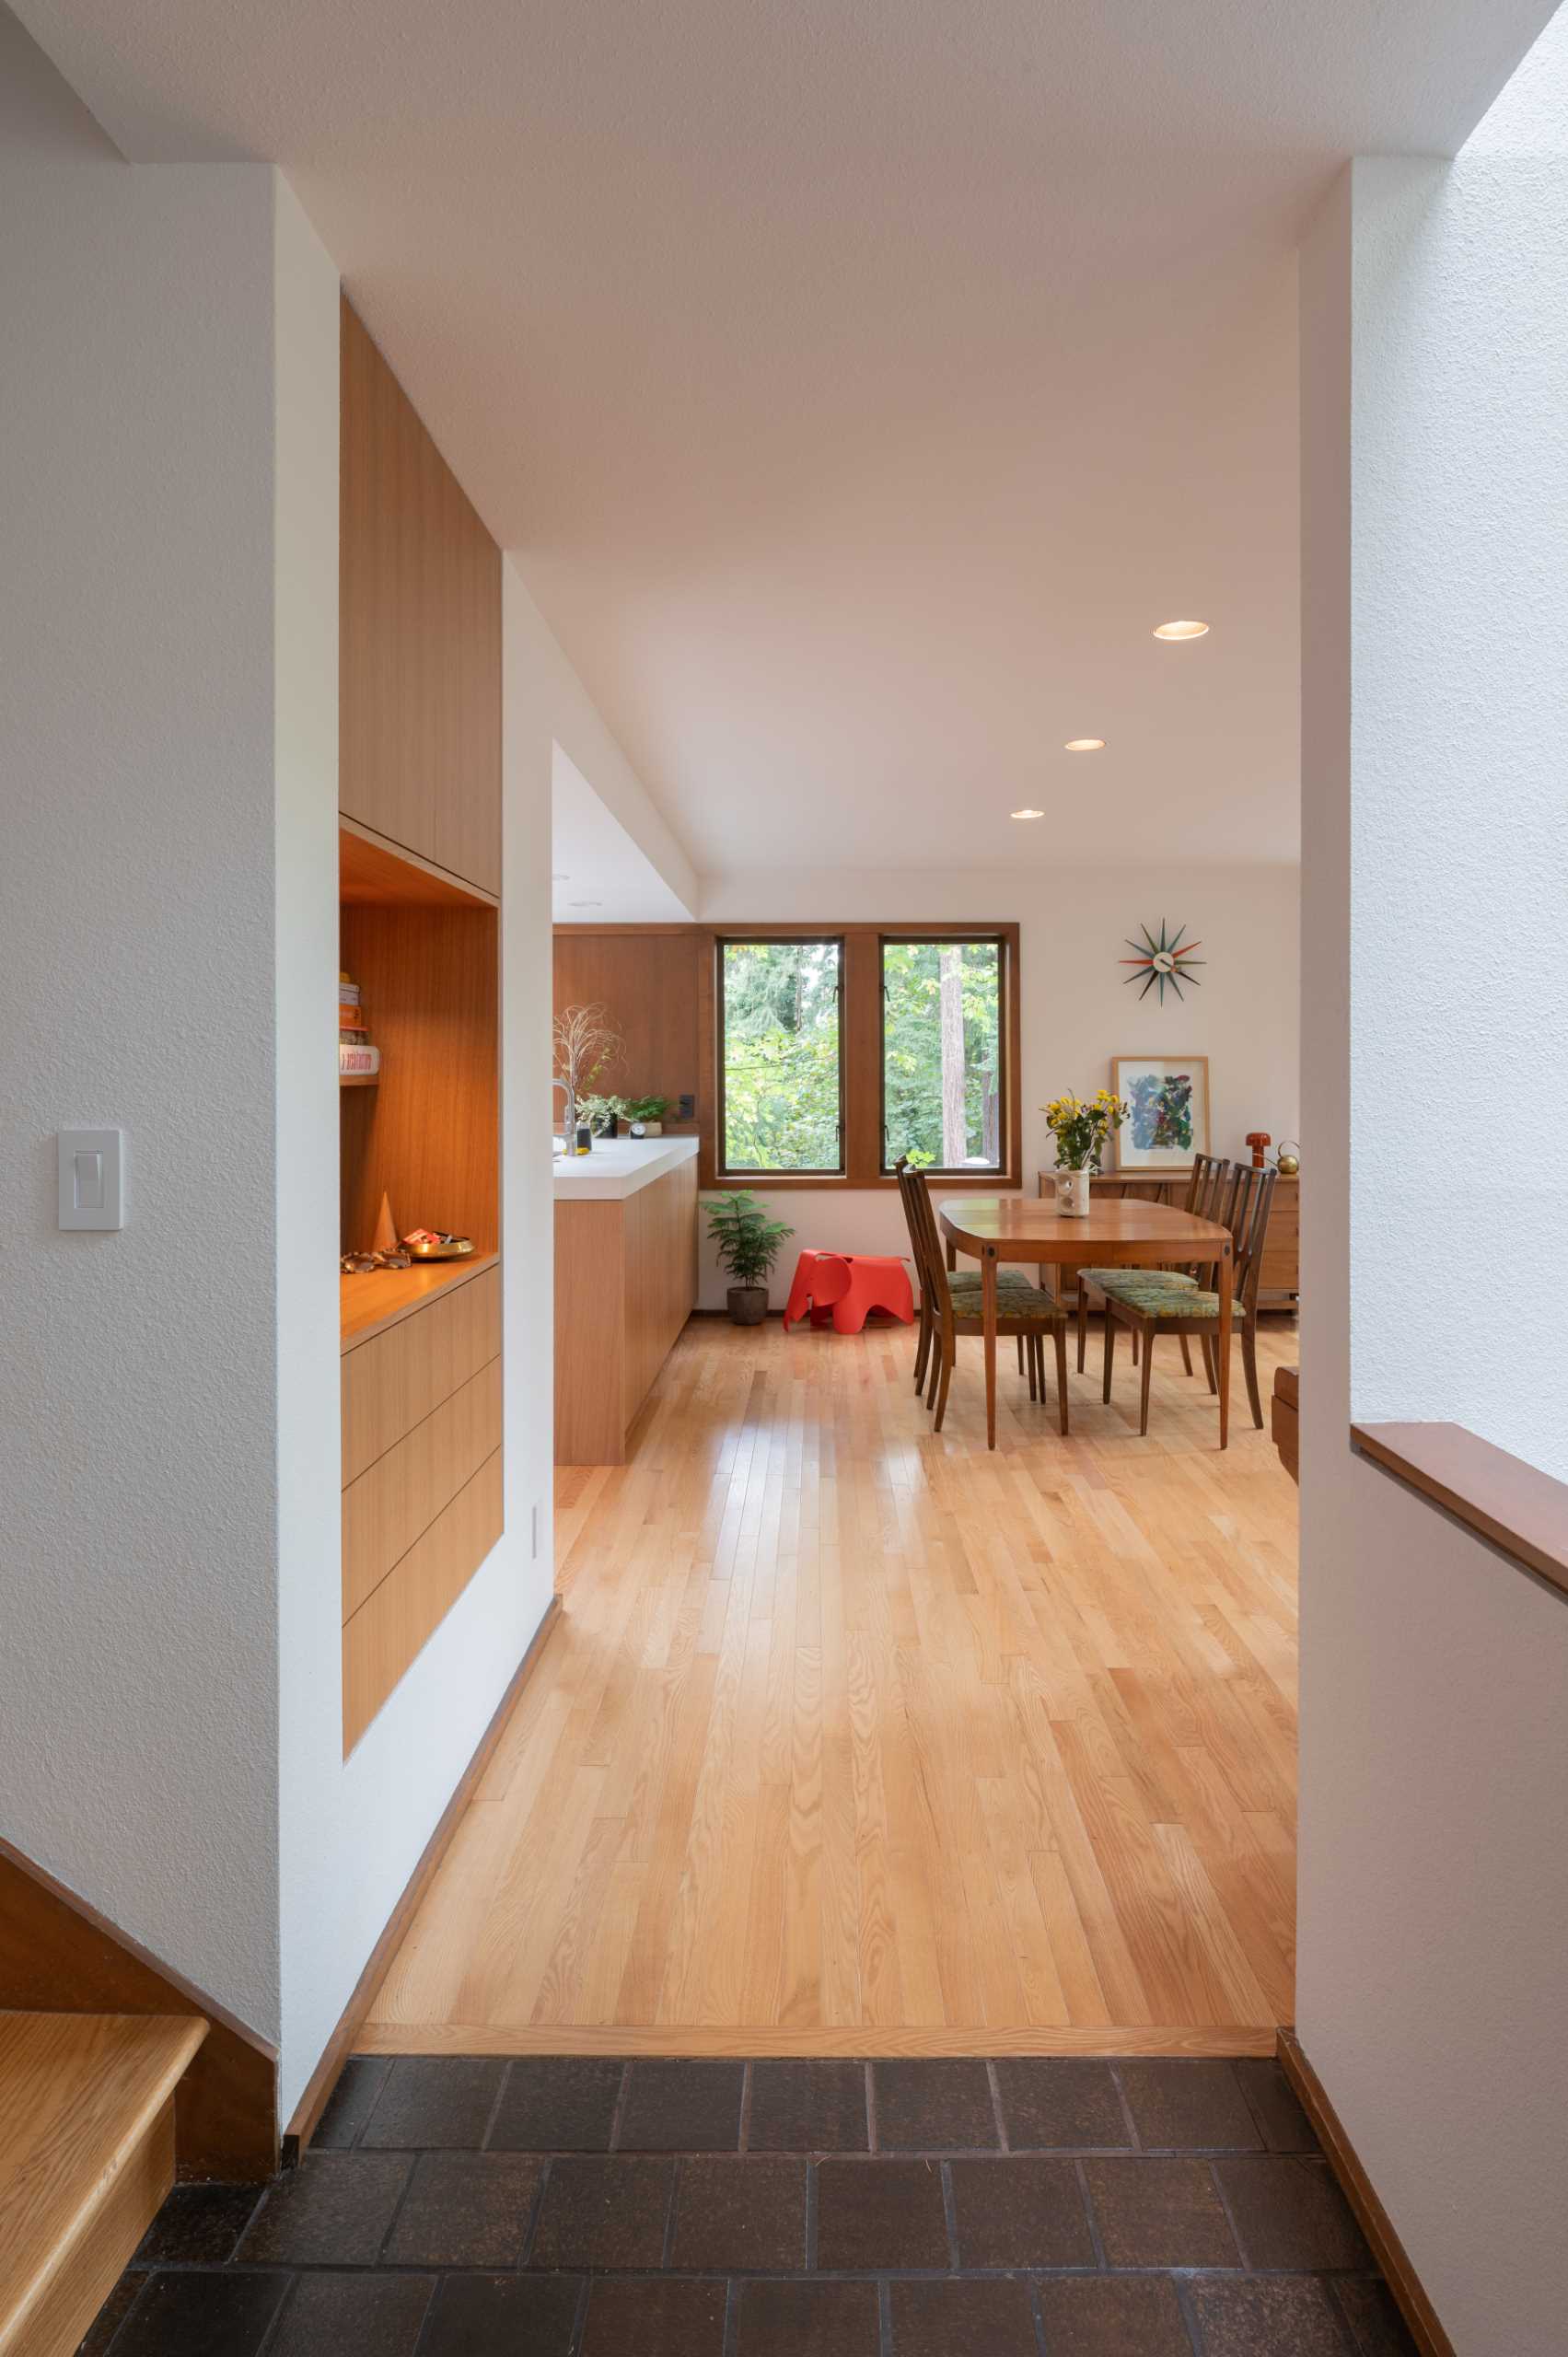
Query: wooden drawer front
394	1623
1279	1271
391	1383
392	1504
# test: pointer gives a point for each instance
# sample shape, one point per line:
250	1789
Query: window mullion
863	1057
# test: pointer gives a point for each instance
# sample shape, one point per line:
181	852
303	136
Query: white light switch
92	1165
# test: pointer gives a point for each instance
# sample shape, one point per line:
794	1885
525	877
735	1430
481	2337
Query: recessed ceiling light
1182	629
1028	814
1085	745
561	878
585	904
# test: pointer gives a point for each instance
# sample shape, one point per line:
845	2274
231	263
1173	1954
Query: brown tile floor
456	2208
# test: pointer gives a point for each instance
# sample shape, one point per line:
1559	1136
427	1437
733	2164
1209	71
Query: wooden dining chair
963	1283
1165	1301
1022	1309
1206	1186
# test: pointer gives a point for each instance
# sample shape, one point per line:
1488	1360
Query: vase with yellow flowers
1081	1126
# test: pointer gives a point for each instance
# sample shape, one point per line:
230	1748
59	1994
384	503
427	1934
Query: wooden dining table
991	1228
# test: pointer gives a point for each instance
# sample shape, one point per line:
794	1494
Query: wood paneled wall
420	632
649	984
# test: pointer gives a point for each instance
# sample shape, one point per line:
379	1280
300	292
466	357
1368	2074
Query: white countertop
618	1166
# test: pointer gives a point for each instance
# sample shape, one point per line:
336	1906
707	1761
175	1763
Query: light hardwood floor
854	1739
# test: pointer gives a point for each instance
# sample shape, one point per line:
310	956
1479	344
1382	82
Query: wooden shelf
359	1080
378	1299
379	872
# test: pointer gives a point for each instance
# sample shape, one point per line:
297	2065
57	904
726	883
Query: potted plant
645	1115
748	1243
602	1114
585	1042
1080	1127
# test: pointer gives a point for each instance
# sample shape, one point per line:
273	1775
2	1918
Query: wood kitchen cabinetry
625	1284
419	657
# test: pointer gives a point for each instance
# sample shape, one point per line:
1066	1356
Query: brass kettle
1288	1162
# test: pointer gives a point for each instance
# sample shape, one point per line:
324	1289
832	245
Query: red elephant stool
843	1288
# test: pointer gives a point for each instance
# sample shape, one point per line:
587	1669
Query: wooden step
87	2156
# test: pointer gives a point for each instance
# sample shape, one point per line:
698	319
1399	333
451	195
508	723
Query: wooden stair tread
80	2093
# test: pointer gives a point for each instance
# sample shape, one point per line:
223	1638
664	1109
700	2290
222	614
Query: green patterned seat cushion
1015	1297
1156	1300
1007	1281
1160	1276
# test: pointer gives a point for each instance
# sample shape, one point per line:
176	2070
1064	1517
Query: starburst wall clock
1168	960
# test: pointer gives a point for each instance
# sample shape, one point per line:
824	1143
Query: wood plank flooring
855	1739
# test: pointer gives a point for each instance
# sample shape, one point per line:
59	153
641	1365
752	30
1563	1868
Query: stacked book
358	1060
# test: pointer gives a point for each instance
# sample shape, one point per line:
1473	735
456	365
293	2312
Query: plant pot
747	1305
1073	1193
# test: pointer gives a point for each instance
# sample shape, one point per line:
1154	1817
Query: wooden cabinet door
418	666
1281	1271
468	777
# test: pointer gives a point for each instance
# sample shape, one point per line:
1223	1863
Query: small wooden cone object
386	1228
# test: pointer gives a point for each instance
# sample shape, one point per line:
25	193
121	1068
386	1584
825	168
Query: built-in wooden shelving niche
419	863
422	1346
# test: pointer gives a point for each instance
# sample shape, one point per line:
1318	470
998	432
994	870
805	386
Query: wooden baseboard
58	1955
313	2102
1419	2314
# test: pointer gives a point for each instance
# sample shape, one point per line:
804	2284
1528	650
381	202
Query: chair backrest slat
1199	1183
923	1243
1252	1197
1208	1191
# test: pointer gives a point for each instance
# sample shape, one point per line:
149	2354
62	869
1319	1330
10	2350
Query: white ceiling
602	876
858	381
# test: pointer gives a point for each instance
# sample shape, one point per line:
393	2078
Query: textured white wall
169	1675
1458	814
1433	1874
1078	1012
138	1672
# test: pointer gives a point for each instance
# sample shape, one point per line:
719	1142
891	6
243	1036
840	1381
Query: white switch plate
92	1177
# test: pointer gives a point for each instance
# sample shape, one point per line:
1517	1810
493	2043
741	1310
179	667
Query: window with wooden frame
781	1056
835	1052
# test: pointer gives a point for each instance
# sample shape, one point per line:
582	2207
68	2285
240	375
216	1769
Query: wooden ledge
858	2042
1513	1506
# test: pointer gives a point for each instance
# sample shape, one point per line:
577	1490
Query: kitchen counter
625	1284
618	1168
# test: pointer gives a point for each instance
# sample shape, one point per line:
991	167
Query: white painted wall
1077	1011
1433	1878
138	1671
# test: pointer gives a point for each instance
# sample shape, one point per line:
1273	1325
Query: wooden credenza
1279	1278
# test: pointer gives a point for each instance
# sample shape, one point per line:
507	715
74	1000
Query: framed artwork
1168	1121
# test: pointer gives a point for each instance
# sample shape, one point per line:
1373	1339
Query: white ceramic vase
1073	1193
